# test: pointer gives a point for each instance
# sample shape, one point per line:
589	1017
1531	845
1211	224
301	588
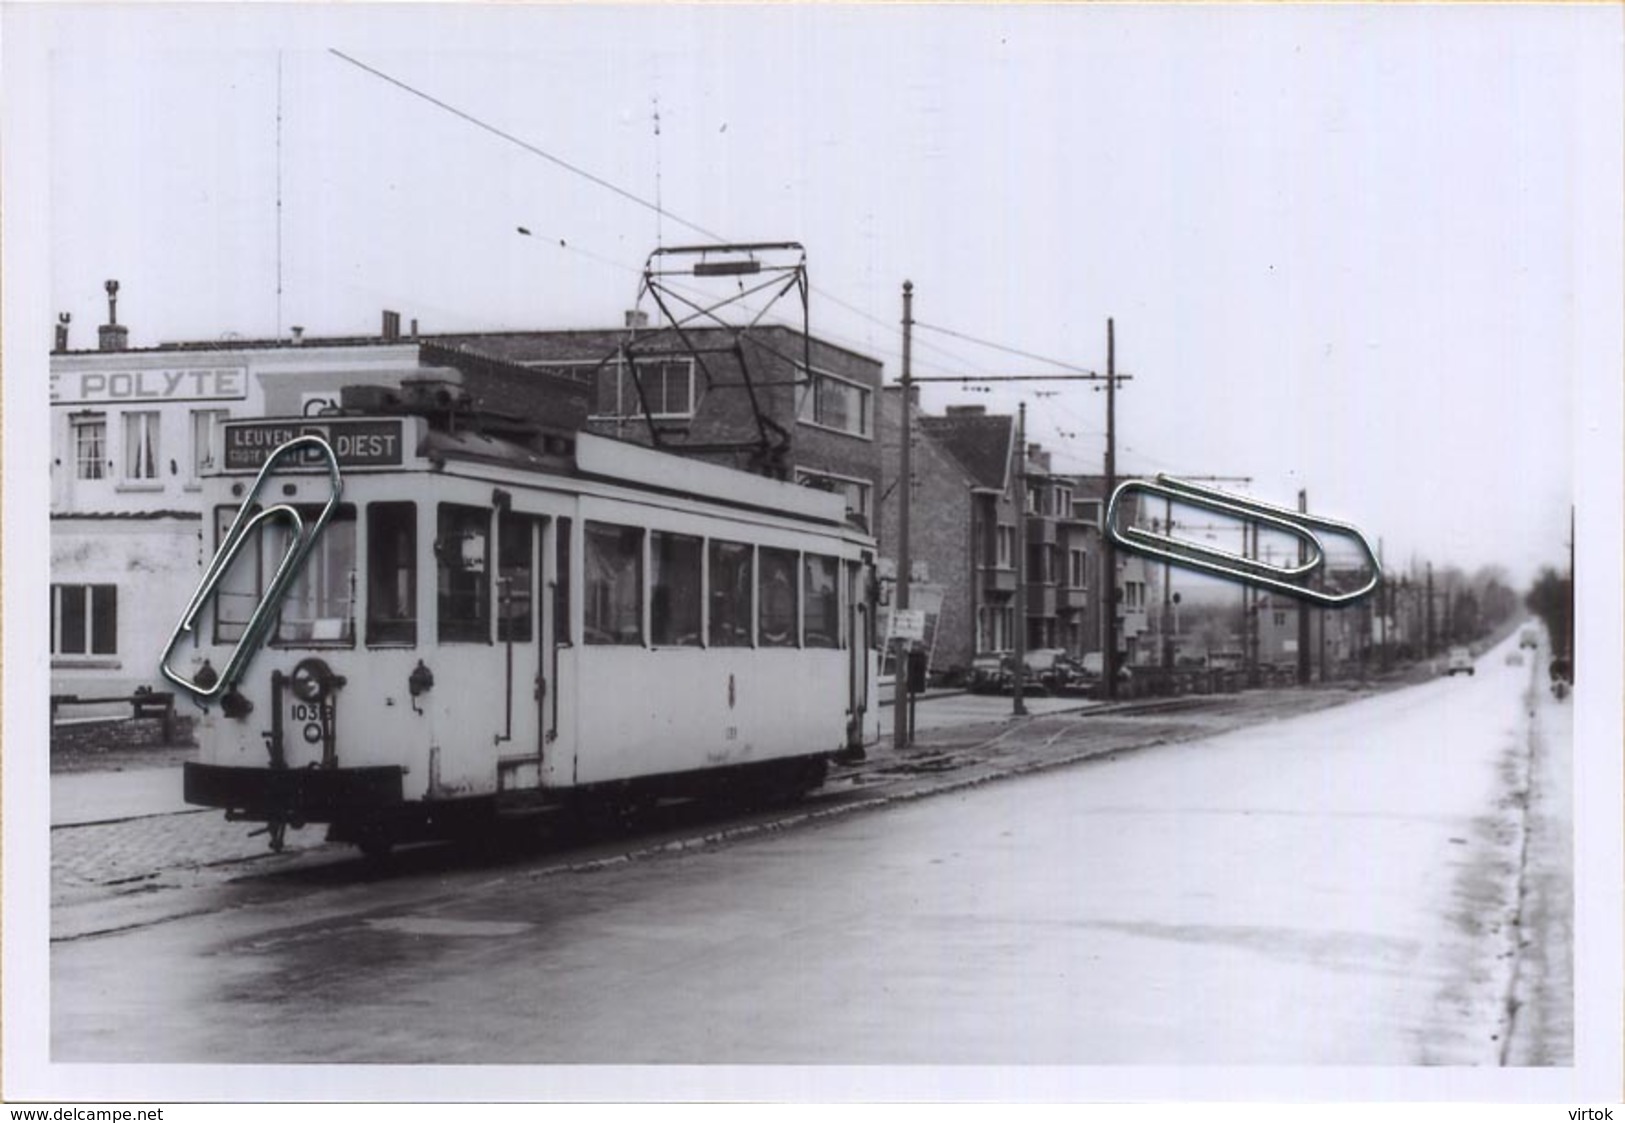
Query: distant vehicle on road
1460	660
1529	638
1514	659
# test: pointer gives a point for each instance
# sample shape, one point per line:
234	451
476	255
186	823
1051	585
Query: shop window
613	612
392	586
730	594
777	598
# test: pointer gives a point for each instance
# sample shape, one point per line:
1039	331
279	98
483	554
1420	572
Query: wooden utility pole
1018	705
1303	609
905	487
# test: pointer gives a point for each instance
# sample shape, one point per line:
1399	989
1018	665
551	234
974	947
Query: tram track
946	761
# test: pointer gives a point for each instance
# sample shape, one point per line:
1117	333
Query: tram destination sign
356	444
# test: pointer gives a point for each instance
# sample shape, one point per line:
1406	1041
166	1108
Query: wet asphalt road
1341	887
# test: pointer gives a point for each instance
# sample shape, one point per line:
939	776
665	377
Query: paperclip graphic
247	522
1287	579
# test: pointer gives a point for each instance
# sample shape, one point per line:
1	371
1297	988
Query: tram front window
238	592
320	605
462	549
392	586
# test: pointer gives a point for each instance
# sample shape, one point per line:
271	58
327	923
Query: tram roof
623	462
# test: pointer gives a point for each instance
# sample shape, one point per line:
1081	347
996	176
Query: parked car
1054	670
1528	638
987	673
1460	660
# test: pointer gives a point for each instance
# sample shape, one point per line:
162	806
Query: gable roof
979	442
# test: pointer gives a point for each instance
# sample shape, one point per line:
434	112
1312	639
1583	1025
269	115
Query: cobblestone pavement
111	875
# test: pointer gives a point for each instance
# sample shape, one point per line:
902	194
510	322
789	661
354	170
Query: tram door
521	621
857	645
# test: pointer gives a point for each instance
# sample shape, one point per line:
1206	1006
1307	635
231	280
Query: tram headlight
421	680
311	680
234	705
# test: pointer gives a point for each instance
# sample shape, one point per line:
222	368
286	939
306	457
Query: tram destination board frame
356	443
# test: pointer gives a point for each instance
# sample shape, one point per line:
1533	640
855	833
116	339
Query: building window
141	445
392	587
856	492
674	590
1063	502
1280	619
668	387
730	596
1078	572
90	447
614	584
821	611
319	607
1005	547
833	403
205	438
1087	510
84	619
462	550
777	598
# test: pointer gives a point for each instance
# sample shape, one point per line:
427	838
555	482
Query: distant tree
1552	600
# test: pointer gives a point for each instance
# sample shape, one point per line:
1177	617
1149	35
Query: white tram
484	626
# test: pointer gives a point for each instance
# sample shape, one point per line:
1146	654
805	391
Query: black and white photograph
813	553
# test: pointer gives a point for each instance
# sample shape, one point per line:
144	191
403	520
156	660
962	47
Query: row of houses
134	429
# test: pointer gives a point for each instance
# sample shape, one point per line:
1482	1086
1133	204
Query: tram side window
320	605
238	591
821	613
731	581
392	573
614	579
514	578
462	549
778	594
674	589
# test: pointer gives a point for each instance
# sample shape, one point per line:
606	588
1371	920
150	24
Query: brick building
734	397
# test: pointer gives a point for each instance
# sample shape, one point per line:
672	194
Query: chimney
298	331
414	327
637	318
392	326
965	411
63	319
111	335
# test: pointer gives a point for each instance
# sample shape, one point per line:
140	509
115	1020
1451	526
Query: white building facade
130	433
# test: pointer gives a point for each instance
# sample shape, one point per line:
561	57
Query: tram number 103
315	719
312	711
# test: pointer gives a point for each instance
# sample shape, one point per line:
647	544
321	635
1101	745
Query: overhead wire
663	212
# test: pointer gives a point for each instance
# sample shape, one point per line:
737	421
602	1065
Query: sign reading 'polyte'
83	387
357	444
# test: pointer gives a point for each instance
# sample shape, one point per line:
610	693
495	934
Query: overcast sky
1371	253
